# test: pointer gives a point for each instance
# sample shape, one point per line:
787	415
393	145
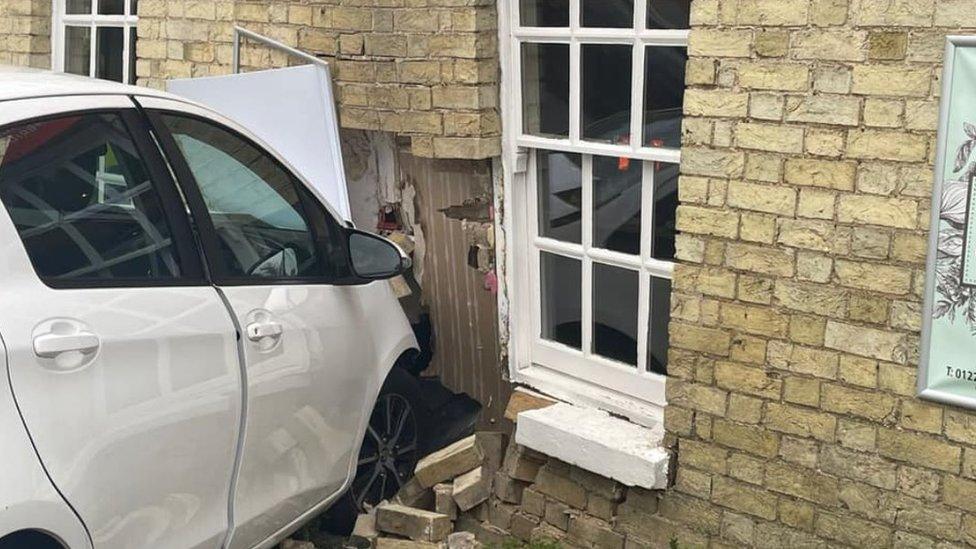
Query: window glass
664	95
668	14
83	202
544	13
545	89
660	317
108	54
607	13
665	210
75	7
111	7
615	313
561	299
605	85
560	182
77	50
617	204
254	203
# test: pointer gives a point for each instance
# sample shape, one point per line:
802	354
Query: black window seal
200	213
191	269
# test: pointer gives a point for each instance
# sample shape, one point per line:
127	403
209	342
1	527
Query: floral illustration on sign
953	298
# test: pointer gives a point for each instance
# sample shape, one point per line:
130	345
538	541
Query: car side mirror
374	257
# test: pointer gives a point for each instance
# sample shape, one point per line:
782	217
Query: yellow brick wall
807	167
25	33
426	69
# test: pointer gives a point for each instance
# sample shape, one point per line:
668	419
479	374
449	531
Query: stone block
416	524
444	500
413	494
507	488
492	445
447	463
471	488
394	543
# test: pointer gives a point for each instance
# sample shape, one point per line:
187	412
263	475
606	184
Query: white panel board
292	110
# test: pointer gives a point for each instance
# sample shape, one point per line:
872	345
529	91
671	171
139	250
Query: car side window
254	203
84	203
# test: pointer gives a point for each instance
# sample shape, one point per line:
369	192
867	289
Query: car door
275	254
122	358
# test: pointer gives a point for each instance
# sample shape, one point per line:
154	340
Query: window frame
60	20
564	375
200	214
192	273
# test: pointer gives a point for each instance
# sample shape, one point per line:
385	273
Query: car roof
25	83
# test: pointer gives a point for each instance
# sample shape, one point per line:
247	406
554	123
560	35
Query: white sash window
592	100
95	38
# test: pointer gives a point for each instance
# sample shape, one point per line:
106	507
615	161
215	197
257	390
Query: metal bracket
240	32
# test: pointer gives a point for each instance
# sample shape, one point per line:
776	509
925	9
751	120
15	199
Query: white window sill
598	442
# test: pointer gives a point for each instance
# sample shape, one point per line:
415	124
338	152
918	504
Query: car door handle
260	330
52	345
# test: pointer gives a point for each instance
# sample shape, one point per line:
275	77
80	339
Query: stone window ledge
598	442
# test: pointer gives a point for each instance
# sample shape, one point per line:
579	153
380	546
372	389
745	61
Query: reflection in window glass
607	13
560	183
605	84
664	93
132	56
544	13
111	7
561	299
77	50
108	53
83	203
668	14
253	203
76	7
615	313
665	210
545	89
617	204
660	317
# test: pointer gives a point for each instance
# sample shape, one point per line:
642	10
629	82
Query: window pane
132	56
134	8
617	204
660	316
560	183
561	299
664	94
545	89
82	201
253	202
77	50
665	210
111	7
73	7
668	14
544	13
108	53
615	313
605	84
608	13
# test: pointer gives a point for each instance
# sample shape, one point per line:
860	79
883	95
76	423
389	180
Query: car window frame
191	267
209	239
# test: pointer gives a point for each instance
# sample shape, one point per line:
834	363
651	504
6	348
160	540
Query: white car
192	345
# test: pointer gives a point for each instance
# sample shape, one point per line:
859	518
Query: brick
416	524
720	43
802	483
887	145
393	543
746	438
595	532
959	493
743	379
773	12
559	487
715	102
443	502
449	462
824	109
763	198
830	45
869	342
768	137
760	259
744	498
866	468
852	531
799	421
891	80
770	76
821	173
922	450
471	488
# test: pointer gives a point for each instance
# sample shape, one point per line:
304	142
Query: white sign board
292	110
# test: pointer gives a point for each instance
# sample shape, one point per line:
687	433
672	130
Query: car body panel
27	498
308	439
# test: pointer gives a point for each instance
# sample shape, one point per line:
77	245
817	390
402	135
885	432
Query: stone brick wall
25	33
807	168
426	69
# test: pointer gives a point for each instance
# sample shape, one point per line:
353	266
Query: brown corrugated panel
464	314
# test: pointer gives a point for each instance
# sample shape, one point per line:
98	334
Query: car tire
391	447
